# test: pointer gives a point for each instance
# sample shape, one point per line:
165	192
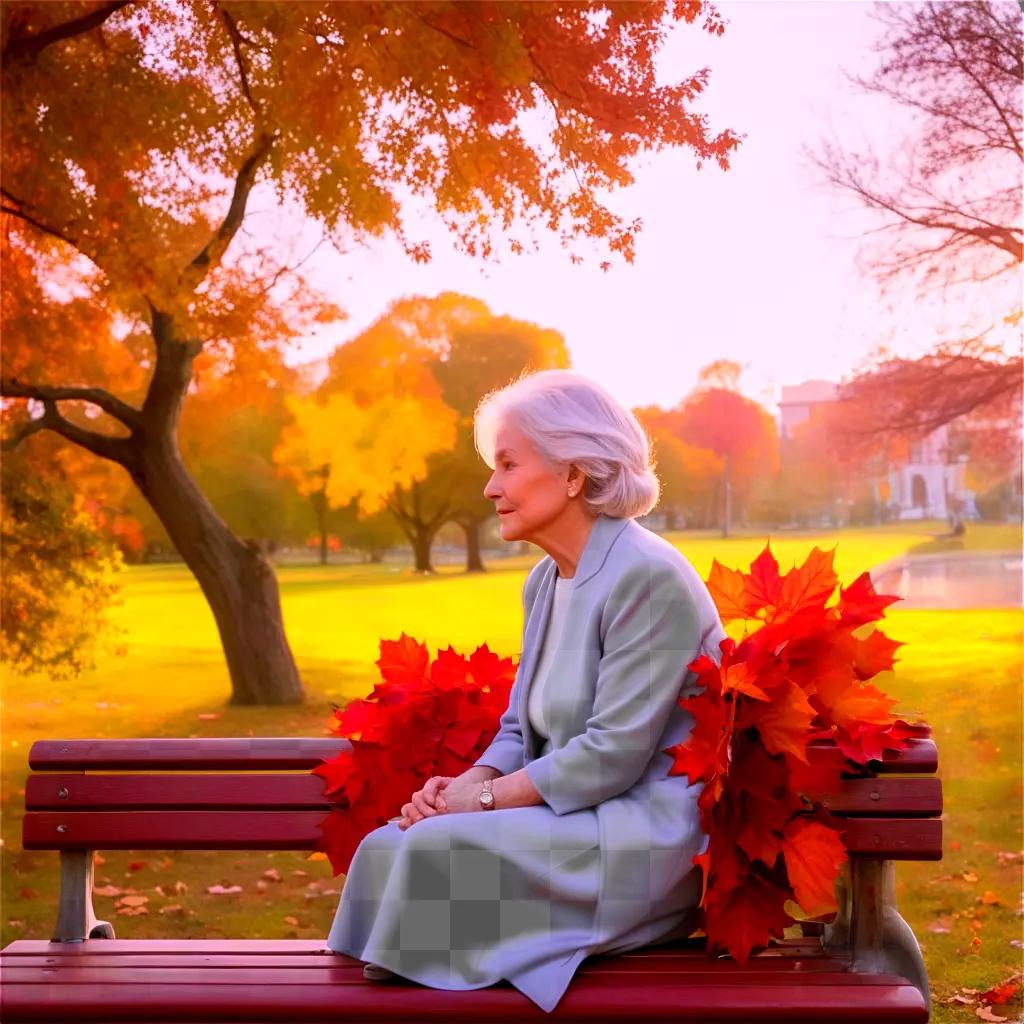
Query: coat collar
599	542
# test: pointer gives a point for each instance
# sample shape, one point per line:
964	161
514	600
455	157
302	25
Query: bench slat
351	973
262	753
678	949
875	797
891	838
687	965
288	995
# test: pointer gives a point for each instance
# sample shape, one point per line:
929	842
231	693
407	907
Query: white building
928	486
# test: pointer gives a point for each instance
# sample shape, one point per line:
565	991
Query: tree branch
213	252
128	415
115	449
15	211
29	47
236	45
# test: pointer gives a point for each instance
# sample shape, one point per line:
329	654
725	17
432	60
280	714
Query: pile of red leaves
794	681
760	719
426	718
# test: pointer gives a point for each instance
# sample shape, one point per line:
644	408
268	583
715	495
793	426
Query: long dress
462	901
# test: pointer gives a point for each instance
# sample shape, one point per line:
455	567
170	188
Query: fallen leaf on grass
261	886
300	874
220	890
1009	856
958	876
98	859
132	911
958	1000
273	874
941	925
989	898
136	865
132	901
28	894
180	887
318	854
108	890
171	908
1001	993
208	716
293	921
984	1013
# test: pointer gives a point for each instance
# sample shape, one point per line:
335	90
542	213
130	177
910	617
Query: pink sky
755	264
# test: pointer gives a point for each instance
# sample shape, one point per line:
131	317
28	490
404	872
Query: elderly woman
567	836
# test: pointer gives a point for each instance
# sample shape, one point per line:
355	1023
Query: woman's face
528	496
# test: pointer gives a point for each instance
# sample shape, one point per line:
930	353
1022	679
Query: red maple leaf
860	603
782	723
751	915
728	589
814	855
809	585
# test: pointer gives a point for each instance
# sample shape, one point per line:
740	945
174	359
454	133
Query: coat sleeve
651	630
506	752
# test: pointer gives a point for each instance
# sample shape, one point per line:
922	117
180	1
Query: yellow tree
391	424
135	133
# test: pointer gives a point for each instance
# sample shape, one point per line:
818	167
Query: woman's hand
425	802
459	796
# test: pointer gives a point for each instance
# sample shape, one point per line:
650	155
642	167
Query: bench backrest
257	794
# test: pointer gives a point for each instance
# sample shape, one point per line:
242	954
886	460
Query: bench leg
76	919
871	928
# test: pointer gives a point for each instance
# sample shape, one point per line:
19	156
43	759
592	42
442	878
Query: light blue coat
638	614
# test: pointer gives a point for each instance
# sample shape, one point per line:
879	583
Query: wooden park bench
256	794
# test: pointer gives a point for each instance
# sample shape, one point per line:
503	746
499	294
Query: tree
716	420
689	474
135	134
415	457
948	205
482	356
951	201
905	399
59	572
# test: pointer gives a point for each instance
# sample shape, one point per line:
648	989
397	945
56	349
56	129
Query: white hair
570	419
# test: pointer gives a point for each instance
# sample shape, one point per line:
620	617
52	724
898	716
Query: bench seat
264	980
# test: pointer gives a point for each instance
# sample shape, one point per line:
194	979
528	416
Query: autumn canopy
135	135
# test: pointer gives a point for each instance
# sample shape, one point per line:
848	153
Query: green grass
960	670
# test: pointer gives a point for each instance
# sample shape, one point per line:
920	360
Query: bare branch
110	404
29	47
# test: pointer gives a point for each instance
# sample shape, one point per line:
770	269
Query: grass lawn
961	670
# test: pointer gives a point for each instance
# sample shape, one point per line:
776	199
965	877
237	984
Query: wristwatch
486	796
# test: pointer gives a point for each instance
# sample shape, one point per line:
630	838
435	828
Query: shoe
374	972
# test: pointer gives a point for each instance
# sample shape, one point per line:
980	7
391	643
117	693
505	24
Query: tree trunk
727	512
236	579
320	507
421	544
474	562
